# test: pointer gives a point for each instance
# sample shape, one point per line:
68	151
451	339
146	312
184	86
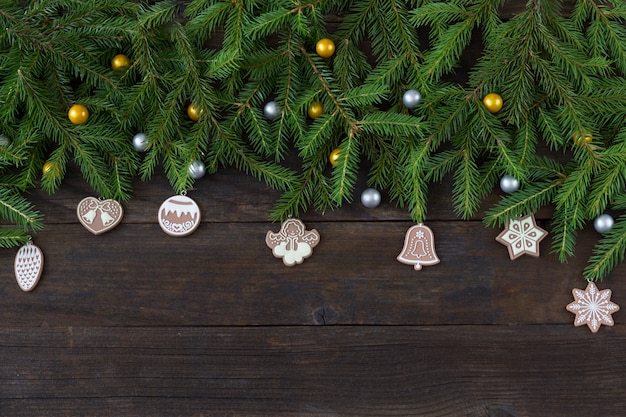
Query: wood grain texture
137	323
313	371
224	274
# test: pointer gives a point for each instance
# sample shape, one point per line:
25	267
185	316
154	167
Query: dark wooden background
137	323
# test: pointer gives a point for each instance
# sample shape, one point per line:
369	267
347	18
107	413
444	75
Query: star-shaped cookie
592	307
522	236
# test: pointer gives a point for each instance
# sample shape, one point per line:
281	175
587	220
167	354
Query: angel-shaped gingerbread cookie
293	243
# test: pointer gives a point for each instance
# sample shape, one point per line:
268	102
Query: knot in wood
325	316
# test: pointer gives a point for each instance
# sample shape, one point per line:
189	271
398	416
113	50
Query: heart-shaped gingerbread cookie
99	216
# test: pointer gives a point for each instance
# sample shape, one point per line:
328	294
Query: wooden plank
224	274
313	371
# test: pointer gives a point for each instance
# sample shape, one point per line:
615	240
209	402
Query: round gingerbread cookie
179	216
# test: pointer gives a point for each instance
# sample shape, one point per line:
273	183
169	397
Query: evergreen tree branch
608	252
522	202
10	238
19	211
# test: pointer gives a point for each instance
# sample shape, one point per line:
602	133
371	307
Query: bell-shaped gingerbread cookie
419	247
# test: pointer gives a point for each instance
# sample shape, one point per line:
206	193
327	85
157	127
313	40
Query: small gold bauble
315	110
78	114
325	48
120	62
47	166
493	102
334	156
581	138
194	112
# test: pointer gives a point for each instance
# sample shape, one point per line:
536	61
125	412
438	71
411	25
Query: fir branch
345	171
258	131
311	187
291	122
382	38
204	19
448	111
19	211
224	64
608	252
567	221
157	14
448	49
318	135
386	73
610	181
10	238
416	188
386	171
364	95
527	200
443	163
390	124
525	141
605	31
325	81
268	23
231	150
576	186
489	130
465	197
549	128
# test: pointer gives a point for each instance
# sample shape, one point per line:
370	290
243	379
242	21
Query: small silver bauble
271	111
140	142
197	169
411	98
603	223
509	184
4	141
370	197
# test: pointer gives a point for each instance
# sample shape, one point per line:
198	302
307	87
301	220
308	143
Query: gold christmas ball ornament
334	156
315	110
582	138
493	102
47	166
78	114
194	112
325	48
120	62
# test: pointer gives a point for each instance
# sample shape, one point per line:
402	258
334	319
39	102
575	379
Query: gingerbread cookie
99	216
179	216
293	243
592	307
522	236
419	247
28	266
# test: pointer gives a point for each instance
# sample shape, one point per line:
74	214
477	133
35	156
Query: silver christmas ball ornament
370	197
603	223
411	98
4	141
271	111
197	169
140	142
509	184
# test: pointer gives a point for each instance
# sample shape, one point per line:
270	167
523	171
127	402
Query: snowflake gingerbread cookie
293	243
522	236
592	307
